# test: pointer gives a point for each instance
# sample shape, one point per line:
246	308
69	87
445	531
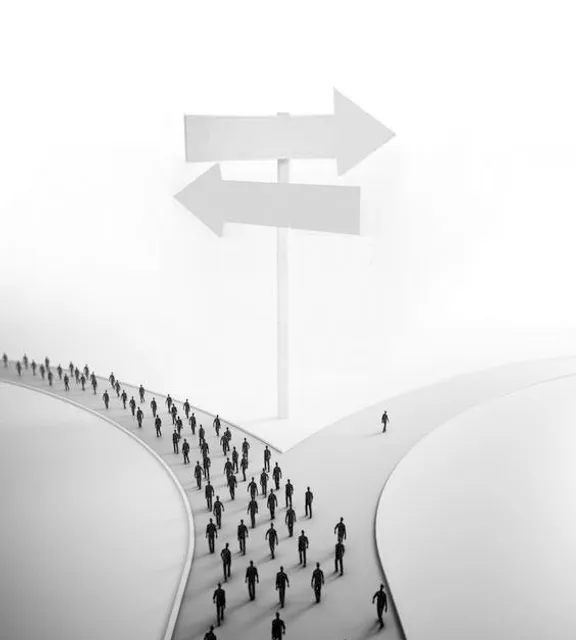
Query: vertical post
283	300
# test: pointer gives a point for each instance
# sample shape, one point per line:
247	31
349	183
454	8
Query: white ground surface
93	530
477	525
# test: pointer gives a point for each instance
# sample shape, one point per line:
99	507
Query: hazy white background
467	257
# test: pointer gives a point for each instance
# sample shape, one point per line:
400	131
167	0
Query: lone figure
385	420
317	581
381	603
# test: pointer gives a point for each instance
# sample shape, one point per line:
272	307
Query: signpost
348	135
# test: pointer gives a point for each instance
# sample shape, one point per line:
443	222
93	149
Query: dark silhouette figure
83	383
264	482
290	519
218	509
59	371
289	491
282	582
124	398
272	537
317	581
192	422
117	387
5	360
385	420
175	441
210	635
272	502
303	545
174	413
19	368
71	368
234	460
252	510
154	407
308	497
187	408
139	417
179	425
277	474
141	392
66	382
339	557
225	444
25	361
158	425
209	493
219	599
106	398
227	468
211	534
50	374
112	379
251	579
278	627
245	447
186	451
381	603
267	455
168	402
32	365
206	464
42	371
340	529
232	484
226	556
244	467
242	535
201	434
216	424
95	384
198	475
252	488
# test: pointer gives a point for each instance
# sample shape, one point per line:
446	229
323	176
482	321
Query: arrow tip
198	198
358	133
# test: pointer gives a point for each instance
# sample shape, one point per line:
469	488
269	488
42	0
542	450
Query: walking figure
124	398
227	468
290	519
139	417
168	402
154	407
245	447
252	578
19	368
50	375
216	424
232	484
158	425
244	467
186	451
59	371
226	556
117	387
175	440
187	408
339	557
86	370
308	497
242	535
112	379
201	434
272	503
302	548
381	603
174	413
42	371
289	489
133	406
192	422
209	494
198	475
106	398
219	599
252	488
25	361
267	455
5	360
210	635
71	368
83	382
340	528
94	383
278	627
218	508
282	582
33	365
66	382
225	444
264	482
277	474
211	534
272	537
385	420
206	464
317	581
234	460
252	510
141	392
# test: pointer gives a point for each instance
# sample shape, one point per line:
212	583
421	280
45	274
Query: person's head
317	565
227	459
241	521
252	478
227	545
281	568
234	448
211	627
381	587
277	615
271	492
308	488
341	519
185	440
210	519
271	525
219	585
302	531
288	481
217	497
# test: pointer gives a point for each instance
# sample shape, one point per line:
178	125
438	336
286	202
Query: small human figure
139	417
179	425
106	398
385	420
244	467
227	468
242	535
71	368
174	413
308	497
219	599
201	434
198	475
59	370
225	444
94	383
317	581
154	407
47	363
168	402
66	382
124	398
218	508
77	374
42	370
226	556
339	550
205	448
210	635
228	434
83	383
211	534
234	460
19	368
158	425
112	379
216	424
264	482
282	582
277	474
340	528
209	494
252	510
245	447
50	377
33	366
141	393
192	422
186	451
232	484
5	360
175	441
290	519
381	603
252	578
272	537
278	627
86	370
289	491
267	455
186	407
302	548
117	387
206	464
272	503
25	361
252	488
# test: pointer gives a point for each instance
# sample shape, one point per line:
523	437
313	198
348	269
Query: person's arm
257	577
386	603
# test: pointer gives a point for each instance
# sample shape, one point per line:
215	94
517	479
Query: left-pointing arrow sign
331	209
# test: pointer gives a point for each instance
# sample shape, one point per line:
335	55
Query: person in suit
272	502
282	582
106	399
252	488
253	510
302	547
339	557
340	528
209	494
277	474
186	451
242	535
219	599
385	420
218	509
251	579
278	627
226	556
290	519
308	497
211	534
272	537
267	456
317	582
381	603
289	491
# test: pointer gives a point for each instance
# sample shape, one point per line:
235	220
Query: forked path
346	465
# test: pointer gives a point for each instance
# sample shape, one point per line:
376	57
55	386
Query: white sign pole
283	300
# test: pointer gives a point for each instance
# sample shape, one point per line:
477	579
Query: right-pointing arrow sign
349	135
331	209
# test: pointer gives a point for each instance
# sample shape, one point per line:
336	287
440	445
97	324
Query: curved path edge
177	600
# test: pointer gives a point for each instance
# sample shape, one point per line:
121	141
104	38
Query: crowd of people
236	462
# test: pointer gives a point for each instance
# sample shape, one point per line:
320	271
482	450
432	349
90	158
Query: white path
347	466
